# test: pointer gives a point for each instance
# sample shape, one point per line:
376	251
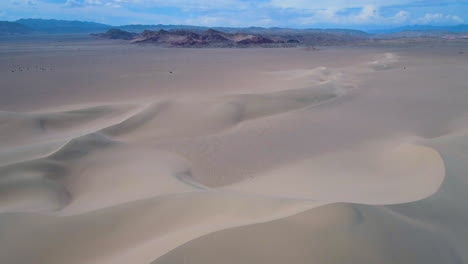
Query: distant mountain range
65	26
456	28
50	26
240	38
13	28
61	26
183	38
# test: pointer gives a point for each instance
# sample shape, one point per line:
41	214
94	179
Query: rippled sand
122	154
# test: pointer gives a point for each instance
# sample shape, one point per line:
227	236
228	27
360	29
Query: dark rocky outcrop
116	34
293	41
209	37
255	40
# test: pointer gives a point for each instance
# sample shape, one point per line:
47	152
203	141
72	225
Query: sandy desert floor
117	154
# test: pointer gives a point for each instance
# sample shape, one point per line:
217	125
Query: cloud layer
284	13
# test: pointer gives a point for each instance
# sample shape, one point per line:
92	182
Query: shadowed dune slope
430	230
281	175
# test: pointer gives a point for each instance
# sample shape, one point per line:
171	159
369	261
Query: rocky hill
116	34
183	38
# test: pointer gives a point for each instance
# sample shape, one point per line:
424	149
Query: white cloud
191	4
73	3
367	15
265	22
290	13
332	4
401	17
438	18
211	21
113	5
93	2
84	3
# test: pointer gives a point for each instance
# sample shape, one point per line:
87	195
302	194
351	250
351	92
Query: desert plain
114	154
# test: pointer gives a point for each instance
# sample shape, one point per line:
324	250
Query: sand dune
402	167
77	137
429	230
287	174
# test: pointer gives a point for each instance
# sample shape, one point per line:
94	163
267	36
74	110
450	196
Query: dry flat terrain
117	154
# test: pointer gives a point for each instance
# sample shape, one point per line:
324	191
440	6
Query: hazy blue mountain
456	28
8	28
141	28
62	26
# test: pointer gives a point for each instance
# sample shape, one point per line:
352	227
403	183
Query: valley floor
115	153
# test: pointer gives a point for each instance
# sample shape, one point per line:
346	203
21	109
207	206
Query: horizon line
246	27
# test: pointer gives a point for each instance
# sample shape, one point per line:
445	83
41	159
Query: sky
360	14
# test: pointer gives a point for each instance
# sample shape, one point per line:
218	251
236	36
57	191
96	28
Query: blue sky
362	14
